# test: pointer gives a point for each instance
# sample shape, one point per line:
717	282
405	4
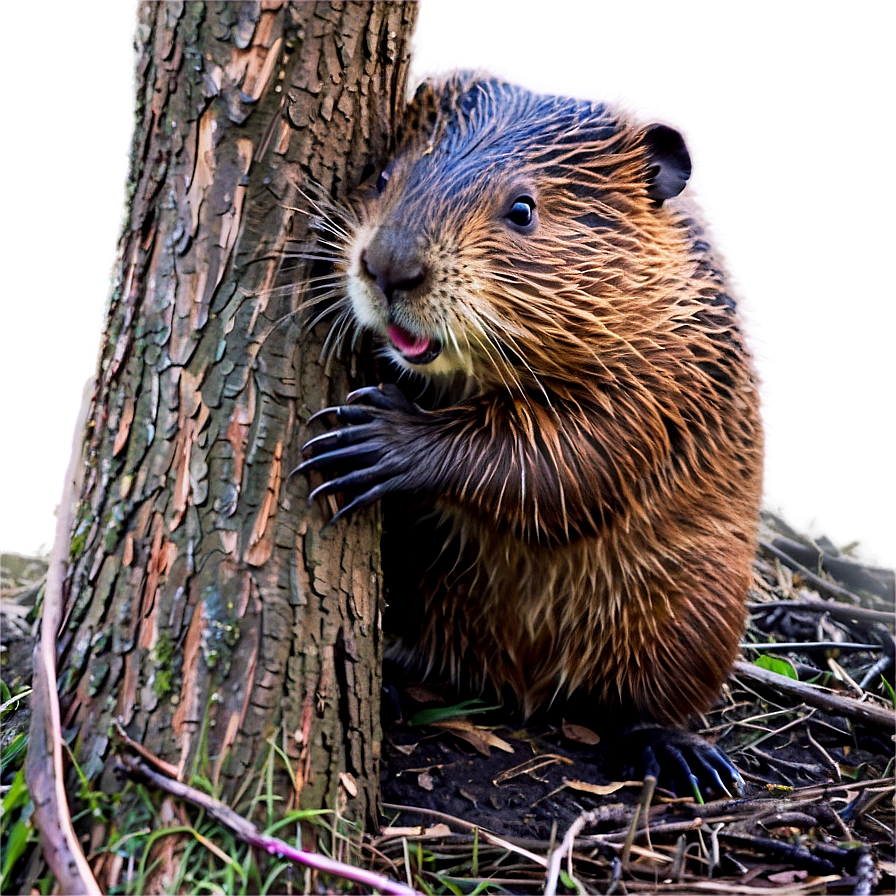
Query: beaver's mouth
414	349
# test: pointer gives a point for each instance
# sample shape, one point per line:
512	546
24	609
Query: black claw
714	764
351	481
322	413
387	397
344	414
358	448
324	489
719	762
372	394
356	416
714	775
359	454
371	496
338	438
682	768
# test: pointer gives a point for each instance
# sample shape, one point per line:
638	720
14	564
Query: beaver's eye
522	212
382	180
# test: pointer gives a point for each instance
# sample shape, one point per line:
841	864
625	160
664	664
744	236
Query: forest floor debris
818	814
489	806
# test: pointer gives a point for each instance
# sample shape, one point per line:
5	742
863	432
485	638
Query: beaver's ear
670	162
420	114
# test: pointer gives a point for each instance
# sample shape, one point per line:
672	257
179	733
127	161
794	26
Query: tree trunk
206	610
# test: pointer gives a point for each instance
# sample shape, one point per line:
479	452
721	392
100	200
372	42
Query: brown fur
597	452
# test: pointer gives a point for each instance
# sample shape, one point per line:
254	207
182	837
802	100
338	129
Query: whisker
311	256
322	315
335	337
489	345
339	223
515	348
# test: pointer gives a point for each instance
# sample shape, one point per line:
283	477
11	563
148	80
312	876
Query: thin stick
641	810
820	584
550	888
774	731
836	610
43	763
867	713
246	831
166	768
879	667
494	839
777	646
835	766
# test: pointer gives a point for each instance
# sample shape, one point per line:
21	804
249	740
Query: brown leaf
349	783
579	734
480	739
418	832
421	694
424	781
788	877
601	789
468	795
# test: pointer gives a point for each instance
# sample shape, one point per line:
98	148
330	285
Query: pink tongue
407	343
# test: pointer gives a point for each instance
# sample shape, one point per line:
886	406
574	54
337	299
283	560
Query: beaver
589	473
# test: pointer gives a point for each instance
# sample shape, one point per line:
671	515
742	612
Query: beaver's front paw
684	762
365	451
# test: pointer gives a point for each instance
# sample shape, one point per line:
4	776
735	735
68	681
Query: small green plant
16	830
776	664
456	711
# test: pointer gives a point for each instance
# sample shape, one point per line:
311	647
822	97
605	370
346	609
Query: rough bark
206	610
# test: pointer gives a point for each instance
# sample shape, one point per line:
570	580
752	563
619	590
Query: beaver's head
512	231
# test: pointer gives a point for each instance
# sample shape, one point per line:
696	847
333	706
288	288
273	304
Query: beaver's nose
393	260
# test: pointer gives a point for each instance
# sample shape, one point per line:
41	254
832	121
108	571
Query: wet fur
594	463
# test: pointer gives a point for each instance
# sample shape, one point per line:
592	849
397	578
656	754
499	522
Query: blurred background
784	108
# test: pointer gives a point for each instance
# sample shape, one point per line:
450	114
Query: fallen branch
43	763
868	713
248	833
820	584
484	833
781	646
795	853
833	608
846	570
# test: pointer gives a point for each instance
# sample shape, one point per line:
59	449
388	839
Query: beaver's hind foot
684	762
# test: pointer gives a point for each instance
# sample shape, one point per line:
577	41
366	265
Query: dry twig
868	713
43	764
248	833
821	585
836	610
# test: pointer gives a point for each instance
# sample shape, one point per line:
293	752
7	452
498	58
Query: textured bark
206	610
